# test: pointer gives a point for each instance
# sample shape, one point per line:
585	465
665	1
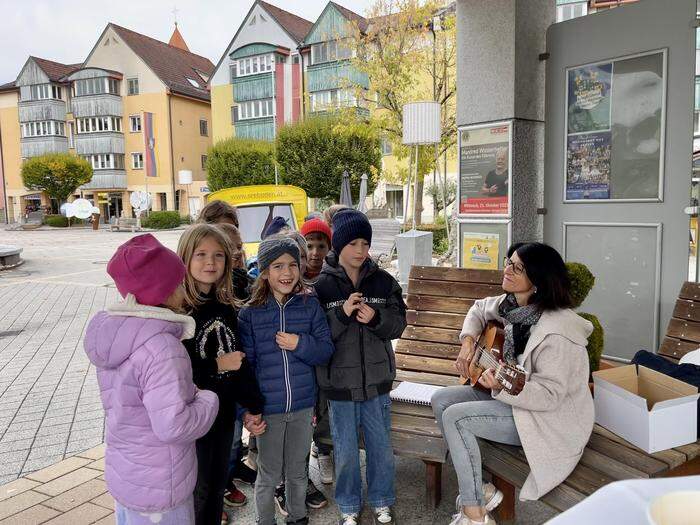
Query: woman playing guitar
552	417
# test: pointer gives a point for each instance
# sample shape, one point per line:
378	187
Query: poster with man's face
484	180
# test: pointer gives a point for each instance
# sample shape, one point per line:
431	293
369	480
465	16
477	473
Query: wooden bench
126	223
438	299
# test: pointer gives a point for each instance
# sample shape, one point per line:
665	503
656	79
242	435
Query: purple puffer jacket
154	412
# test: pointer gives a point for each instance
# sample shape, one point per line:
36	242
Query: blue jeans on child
235	449
183	514
374	418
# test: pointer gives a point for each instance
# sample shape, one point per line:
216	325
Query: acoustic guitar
489	354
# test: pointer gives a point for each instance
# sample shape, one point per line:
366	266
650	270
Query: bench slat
456	305
685	330
610	466
688	310
411	409
421	426
639	460
427	349
428	379
690	291
457	289
434	335
423	447
436	319
426	364
676	348
673	458
459	275
692	450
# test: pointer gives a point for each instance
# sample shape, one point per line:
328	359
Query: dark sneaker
234	497
245	474
383	516
281	500
314	497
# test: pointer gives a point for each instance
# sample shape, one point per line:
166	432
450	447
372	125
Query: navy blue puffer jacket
286	378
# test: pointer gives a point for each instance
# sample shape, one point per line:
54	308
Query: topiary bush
582	281
57	221
162	220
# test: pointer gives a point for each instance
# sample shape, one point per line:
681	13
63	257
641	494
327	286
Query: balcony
35	146
253	87
96	105
106	180
31	110
333	75
259	128
104	142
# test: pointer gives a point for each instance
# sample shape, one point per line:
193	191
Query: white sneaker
492	496
461	519
325	468
349	519
383	515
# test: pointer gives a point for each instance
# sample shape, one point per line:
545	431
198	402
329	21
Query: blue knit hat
272	248
349	225
275	226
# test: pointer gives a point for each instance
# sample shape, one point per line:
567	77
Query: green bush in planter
162	220
57	221
582	281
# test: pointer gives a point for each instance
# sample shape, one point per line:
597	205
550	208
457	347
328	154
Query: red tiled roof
10	86
295	25
172	65
55	70
177	41
352	16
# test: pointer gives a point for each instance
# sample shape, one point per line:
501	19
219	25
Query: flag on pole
150	145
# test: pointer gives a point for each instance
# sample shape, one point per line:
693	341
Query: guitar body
488	354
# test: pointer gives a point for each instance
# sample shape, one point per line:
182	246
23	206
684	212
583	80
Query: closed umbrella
345	195
362	205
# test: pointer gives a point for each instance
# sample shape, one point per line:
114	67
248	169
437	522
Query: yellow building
98	110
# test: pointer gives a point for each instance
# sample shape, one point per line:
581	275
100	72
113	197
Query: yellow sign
480	251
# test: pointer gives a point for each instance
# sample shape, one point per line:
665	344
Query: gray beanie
272	248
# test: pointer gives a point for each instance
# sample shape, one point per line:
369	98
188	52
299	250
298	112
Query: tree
57	174
435	192
240	162
407	59
314	153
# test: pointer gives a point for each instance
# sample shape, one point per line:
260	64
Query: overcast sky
66	30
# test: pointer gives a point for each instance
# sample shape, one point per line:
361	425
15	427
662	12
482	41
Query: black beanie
349	225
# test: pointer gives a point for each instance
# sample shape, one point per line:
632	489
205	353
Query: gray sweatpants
282	455
464	414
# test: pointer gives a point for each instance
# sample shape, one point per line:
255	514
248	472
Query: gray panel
90	143
502	229
32	74
648	25
106	180
42	110
625	262
97	105
35	146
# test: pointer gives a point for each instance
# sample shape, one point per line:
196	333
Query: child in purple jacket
153	410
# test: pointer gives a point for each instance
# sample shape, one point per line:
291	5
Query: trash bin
95	221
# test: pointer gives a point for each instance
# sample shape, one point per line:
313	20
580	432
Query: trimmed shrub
595	341
239	162
582	281
57	221
161	220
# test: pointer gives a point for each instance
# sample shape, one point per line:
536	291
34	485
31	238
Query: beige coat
554	412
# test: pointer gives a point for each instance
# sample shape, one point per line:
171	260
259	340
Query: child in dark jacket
217	361
284	334
365	311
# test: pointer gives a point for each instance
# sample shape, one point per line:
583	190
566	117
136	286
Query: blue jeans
374	417
235	449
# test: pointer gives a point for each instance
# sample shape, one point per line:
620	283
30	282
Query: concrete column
500	77
126	204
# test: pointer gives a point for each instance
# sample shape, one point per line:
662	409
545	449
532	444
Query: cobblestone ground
49	400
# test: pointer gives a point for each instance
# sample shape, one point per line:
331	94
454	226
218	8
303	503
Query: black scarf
518	321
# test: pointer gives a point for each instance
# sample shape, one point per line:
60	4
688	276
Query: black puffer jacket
363	365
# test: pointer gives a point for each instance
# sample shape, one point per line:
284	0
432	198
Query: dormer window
193	82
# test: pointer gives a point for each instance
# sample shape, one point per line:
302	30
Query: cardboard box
650	410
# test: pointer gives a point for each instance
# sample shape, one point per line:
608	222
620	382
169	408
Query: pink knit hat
145	268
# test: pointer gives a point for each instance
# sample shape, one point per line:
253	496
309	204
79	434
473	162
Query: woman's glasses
518	269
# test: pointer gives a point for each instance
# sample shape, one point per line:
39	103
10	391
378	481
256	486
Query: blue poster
589	98
588	166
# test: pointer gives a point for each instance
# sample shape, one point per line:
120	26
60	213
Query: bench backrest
438	299
683	332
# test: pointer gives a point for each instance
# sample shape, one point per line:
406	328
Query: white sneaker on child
349	519
383	515
325	468
461	519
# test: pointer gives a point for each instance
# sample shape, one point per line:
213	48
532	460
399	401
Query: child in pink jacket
154	412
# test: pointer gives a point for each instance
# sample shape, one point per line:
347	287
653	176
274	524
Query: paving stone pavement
50	411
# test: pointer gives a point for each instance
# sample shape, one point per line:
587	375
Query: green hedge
595	341
162	220
582	281
59	221
439	235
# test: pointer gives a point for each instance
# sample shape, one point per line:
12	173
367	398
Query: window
254	109
133	86
232	71
71	135
193	82
204	162
203	128
330	51
137	161
252	65
332	98
45	92
387	149
44	128
571	10
95	86
696	122
234	114
99	124
106	161
135	123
